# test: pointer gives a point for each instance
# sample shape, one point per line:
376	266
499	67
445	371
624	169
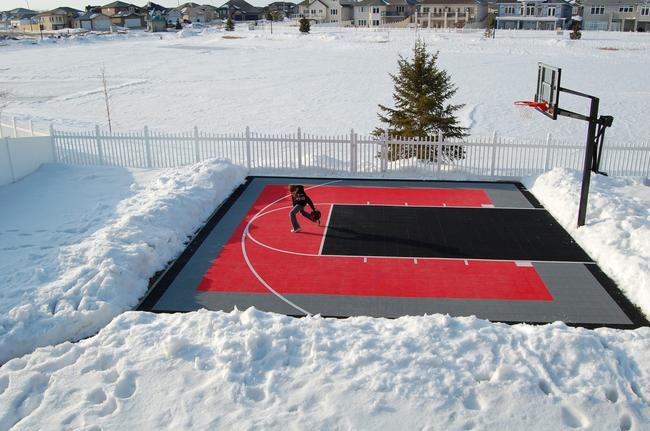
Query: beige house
327	11
451	13
378	13
58	19
124	14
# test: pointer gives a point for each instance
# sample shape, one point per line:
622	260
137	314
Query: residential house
156	23
193	12
18	17
533	14
173	16
58	19
376	13
616	15
240	10
327	11
93	21
451	13
125	14
283	9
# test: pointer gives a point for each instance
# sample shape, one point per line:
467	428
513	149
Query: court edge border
162	283
160	286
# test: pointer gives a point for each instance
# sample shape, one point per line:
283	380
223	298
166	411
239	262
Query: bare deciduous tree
108	109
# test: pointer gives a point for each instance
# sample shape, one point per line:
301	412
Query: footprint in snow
472	403
126	386
611	394
625	422
573	419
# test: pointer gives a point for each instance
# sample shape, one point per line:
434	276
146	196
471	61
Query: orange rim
539	105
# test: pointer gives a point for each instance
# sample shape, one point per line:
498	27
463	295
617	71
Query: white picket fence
16	127
352	155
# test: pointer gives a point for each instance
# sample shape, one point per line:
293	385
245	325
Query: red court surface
269	256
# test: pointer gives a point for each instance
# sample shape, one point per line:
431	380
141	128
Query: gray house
533	14
616	15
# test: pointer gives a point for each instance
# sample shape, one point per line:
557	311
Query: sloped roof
447	2
117	4
61	11
385	3
89	16
242	5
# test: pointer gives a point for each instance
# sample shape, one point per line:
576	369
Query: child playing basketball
299	200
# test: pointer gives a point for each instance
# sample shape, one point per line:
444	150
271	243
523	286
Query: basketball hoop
526	113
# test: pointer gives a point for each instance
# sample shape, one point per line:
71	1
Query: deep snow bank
80	243
617	229
255	370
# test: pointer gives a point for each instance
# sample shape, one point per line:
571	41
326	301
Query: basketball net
526	108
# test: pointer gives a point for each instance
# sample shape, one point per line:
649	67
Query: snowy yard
78	245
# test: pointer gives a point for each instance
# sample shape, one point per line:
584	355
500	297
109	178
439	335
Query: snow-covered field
327	82
78	245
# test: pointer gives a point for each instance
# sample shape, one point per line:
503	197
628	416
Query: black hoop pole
589	156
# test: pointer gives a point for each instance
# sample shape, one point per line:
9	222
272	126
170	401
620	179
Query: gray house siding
616	15
544	15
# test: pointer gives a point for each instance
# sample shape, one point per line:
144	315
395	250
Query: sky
80	4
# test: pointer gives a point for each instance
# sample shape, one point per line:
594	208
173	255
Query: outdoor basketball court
390	249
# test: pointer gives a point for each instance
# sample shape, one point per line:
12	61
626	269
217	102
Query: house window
363	22
400	9
645	11
313	11
375	10
510	10
626	9
425	10
334	11
530	10
375	23
550	11
363	9
597	10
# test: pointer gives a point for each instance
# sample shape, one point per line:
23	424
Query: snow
79	244
618	231
72	258
326	83
255	370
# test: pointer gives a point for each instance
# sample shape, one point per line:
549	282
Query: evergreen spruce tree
304	25
421	112
230	26
490	24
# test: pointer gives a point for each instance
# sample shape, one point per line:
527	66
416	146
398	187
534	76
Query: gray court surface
580	297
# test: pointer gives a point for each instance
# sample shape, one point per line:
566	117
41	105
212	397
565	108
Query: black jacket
301	198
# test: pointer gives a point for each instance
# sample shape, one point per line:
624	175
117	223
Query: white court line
327	225
444	205
250	265
296	253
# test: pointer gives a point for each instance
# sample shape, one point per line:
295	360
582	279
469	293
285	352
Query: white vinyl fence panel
349	154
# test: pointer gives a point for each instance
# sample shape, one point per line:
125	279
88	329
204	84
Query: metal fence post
147	146
53	144
384	152
353	151
248	147
13	125
439	151
299	148
11	163
494	153
547	158
98	142
197	155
